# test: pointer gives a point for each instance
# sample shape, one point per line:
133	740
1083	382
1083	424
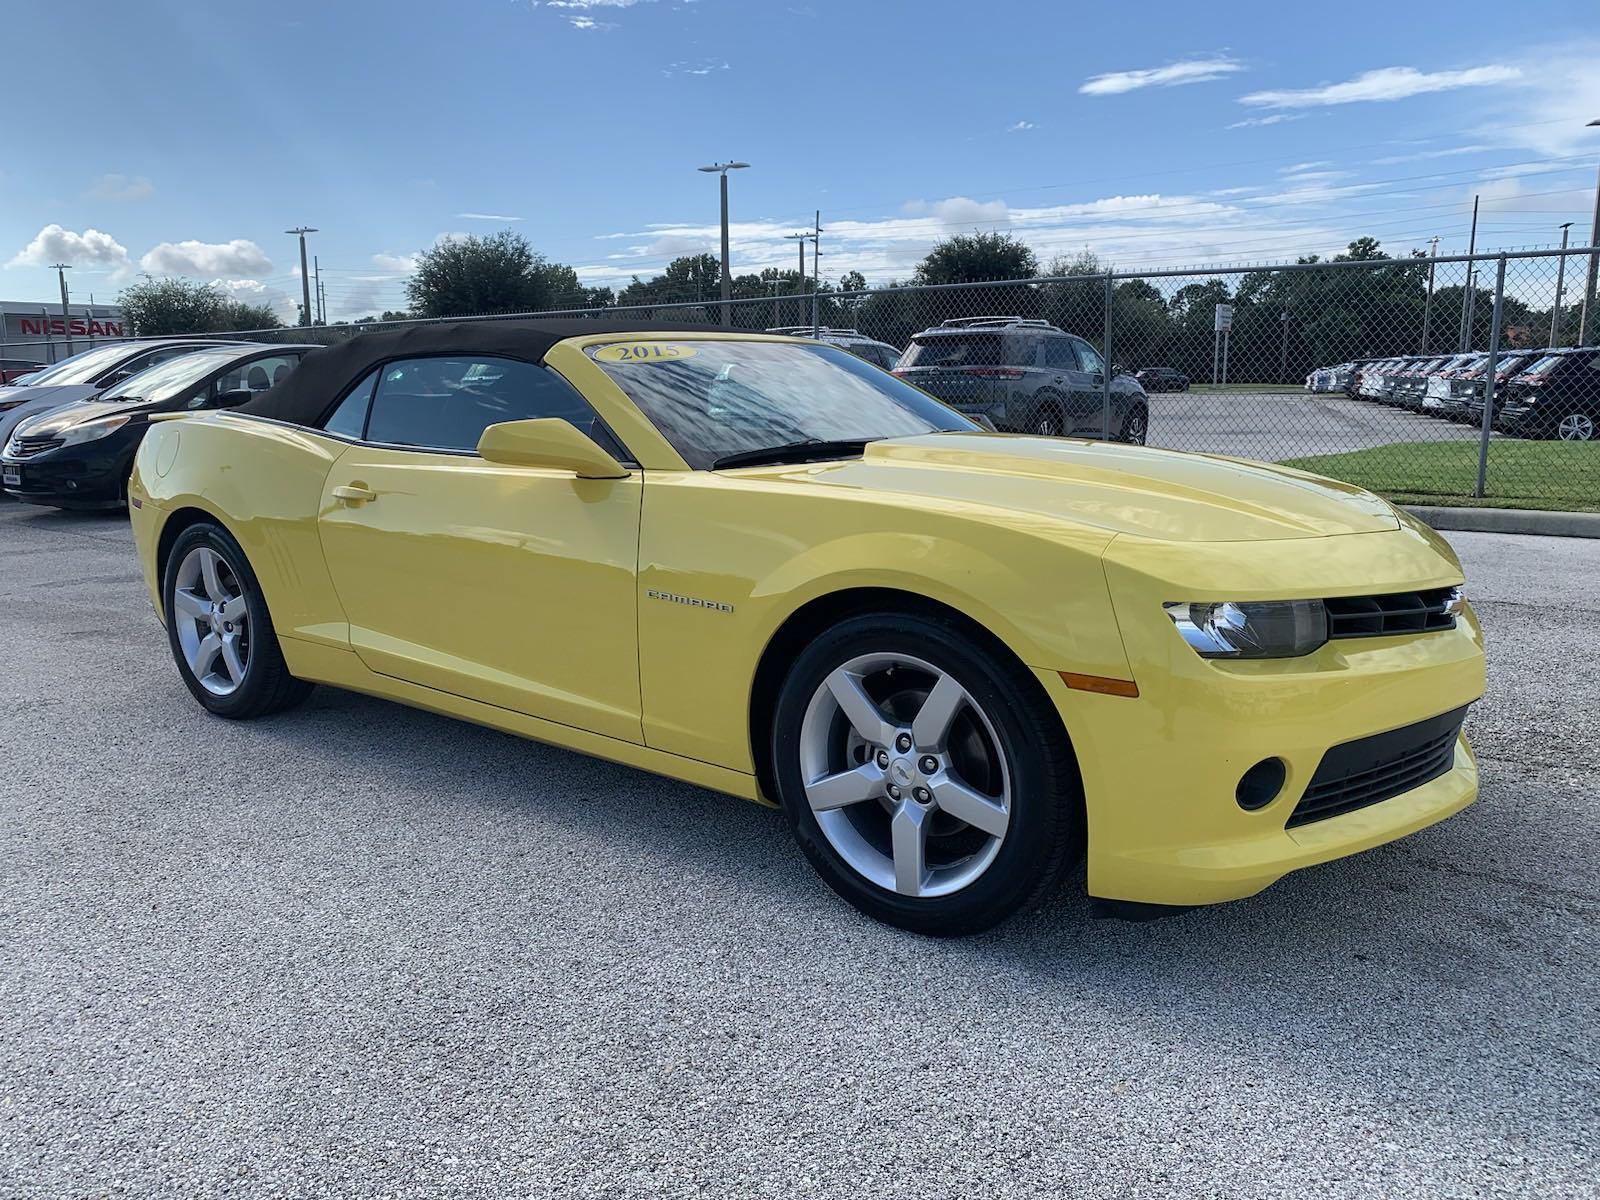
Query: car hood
61	393
1133	490
57	419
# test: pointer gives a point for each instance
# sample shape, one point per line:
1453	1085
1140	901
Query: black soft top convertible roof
323	375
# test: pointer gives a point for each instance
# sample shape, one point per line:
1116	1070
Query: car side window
446	403
256	376
349	419
1058	353
1090	357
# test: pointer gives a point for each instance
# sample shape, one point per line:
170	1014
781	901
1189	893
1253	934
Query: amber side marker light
1100	684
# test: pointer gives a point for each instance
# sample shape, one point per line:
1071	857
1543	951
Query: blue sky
176	138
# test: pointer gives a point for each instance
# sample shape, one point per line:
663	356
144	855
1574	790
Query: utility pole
1472	282
722	169
800	240
816	270
61	270
322	303
1561	284
306	314
316	276
1594	267
1427	306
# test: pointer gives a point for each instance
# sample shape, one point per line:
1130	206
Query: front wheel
1576	427
220	631
1135	426
929	783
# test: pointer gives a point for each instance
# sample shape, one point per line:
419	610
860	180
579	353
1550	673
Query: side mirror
548	442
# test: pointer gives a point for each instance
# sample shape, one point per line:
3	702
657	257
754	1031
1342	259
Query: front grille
1373	769
1401	612
27	447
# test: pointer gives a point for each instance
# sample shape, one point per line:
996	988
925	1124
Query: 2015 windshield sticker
644	352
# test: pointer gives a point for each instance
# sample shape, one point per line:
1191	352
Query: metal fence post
1488	376
1105	355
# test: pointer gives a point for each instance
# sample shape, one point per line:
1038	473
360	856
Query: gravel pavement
359	950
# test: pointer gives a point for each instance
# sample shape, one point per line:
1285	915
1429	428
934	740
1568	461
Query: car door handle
354	493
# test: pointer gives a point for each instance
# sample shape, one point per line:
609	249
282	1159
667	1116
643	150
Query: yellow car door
515	586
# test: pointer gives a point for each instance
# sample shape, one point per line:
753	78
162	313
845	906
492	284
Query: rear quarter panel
263	483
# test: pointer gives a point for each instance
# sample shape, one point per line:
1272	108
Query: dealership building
42	333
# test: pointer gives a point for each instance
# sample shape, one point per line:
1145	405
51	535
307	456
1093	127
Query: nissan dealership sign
43	333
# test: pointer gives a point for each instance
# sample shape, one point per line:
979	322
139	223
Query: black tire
1047	421
1584	426
1135	426
266	686
1045	834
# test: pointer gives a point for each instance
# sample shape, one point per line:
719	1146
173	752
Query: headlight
1252	628
91	430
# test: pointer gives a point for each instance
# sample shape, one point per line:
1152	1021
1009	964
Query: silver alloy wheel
212	618
1576	427
1137	428
912	789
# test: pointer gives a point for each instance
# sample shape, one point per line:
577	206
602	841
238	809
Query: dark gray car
1026	376
84	376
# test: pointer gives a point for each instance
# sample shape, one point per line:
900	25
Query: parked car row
68	436
1538	393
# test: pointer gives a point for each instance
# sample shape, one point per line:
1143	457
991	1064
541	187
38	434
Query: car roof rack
997	323
819	330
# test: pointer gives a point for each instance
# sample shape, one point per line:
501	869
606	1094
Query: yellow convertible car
959	661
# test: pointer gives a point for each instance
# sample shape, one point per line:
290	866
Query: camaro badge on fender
691	601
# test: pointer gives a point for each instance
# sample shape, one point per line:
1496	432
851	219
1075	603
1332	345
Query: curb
1509	520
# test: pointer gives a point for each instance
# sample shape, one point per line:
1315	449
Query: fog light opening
1260	785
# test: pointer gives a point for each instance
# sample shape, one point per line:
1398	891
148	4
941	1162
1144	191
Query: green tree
977	258
171	306
497	273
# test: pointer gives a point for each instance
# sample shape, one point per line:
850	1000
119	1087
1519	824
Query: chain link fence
1451	380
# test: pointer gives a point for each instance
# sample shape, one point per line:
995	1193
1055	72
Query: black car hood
61	393
53	422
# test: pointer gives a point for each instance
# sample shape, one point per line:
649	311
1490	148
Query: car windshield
82	368
714	399
1543	365
954	350
171	379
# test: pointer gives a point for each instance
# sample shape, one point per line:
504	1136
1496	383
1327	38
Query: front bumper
73	483
1161	771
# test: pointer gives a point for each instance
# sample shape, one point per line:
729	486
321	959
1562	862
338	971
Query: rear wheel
928	783
220	631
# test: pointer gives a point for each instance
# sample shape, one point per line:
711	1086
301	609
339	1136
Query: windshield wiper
809	450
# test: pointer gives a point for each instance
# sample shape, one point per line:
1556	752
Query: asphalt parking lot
1288	424
359	950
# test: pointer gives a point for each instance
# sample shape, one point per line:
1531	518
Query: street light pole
1594	266
306	315
1471	294
722	169
800	309
1561	283
61	270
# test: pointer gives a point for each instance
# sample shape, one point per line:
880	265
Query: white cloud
1386	83
395	264
1274	119
1189	70
121	187
1549	113
91	248
1021	127
1296	168
253	291
239	258
1391	159
960	210
1507	195
480	216
704	66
